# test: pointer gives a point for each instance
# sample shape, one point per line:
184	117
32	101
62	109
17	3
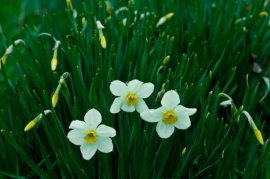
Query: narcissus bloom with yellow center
169	115
130	96
90	135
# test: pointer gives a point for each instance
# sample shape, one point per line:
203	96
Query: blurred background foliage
212	50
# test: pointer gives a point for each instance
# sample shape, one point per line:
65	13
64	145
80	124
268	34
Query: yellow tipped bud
166	60
163	19
103	41
4	59
263	14
33	123
56	92
184	151
69	5
84	21
54	59
54	64
169	15
258	135
108	7
30	125
54	99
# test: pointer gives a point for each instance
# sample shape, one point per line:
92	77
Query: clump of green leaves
211	45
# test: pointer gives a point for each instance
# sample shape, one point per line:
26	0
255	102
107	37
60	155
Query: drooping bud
55	96
258	135
165	18
166	60
102	38
9	50
228	102
263	14
30	125
84	21
54	60
69	5
184	151
35	121
108	6
253	126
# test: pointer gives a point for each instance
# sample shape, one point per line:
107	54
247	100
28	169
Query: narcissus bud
35	121
55	96
258	135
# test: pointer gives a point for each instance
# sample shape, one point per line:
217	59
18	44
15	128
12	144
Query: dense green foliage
211	51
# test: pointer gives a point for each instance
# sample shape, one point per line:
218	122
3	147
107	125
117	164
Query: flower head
130	96
90	135
169	115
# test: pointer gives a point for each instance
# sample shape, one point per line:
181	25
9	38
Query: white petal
163	130
88	150
105	144
134	85
92	118
146	90
141	106
152	115
183	121
170	99
118	88
116	105
76	137
183	109
127	108
78	125
106	131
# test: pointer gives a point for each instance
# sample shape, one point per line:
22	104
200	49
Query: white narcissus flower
90	135
169	115
130	96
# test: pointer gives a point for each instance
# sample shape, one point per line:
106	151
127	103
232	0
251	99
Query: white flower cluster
91	136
